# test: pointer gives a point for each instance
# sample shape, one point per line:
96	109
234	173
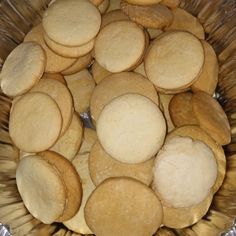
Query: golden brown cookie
102	166
154	16
98	72
181	111
211	117
143	2
56	76
208	79
171	3
121	200
118	84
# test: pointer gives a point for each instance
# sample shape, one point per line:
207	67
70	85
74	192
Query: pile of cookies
147	77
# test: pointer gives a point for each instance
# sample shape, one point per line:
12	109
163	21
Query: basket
218	18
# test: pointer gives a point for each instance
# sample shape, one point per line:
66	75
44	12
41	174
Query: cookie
103	6
67	22
96	2
118	84
174	60
69	51
69	143
181	111
45	187
143	2
171	3
71	182
186	22
154	16
28	61
114	5
111	198
98	72
102	166
121	33
81	86
112	16
211	117
141	70
55	63
119	132
80	64
185	159
56	76
78	223
196	133
89	139
35	122
208	79
153	33
61	95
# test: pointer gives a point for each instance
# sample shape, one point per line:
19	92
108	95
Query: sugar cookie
28	61
119	132
35	122
111	198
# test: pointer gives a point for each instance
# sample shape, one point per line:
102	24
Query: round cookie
55	63
208	79
45	187
98	72
61	94
155	16
186	22
103	6
181	111
102	166
78	223
174	60
143	2
171	3
56	76
118	84
211	117
112	16
125	209
72	22
81	86
28	61
71	181
31	127
68	144
80	64
196	133
119	128
69	51
121	33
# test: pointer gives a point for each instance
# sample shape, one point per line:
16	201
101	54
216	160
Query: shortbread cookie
78	223
154	16
45	187
174	60
89	139
171	3
119	128
55	62
56	76
66	22
181	111
116	59
102	166
196	133
71	182
143	2
112	16
118	84
35	122
185	159
211	117
113	196
69	51
81	86
103	6
28	61
164	102
80	64
98	72
208	79
69	143
61	94
186	22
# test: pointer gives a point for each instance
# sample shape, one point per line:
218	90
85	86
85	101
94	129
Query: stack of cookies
146	76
